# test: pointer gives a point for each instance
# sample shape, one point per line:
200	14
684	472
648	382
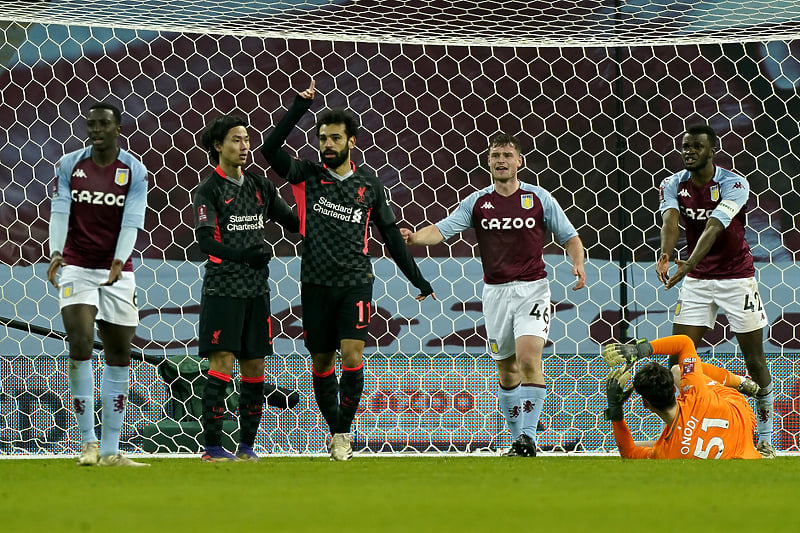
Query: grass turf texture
442	494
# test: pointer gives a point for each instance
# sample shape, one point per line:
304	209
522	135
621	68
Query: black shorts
331	314
242	326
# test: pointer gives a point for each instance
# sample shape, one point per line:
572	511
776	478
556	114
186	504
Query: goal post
598	96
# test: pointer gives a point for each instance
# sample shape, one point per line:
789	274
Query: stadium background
599	126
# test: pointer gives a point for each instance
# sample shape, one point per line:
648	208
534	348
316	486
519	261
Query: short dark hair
339	115
654	382
503	139
700	129
114	110
217	131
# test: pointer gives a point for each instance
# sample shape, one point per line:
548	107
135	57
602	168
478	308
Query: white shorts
700	299
512	310
115	304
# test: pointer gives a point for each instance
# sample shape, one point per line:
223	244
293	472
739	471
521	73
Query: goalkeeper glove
255	256
614	354
617	393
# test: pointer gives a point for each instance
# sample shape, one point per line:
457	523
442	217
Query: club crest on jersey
121	177
527	201
714	193
493	347
360	198
259	199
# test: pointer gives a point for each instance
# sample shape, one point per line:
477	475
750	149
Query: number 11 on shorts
364	312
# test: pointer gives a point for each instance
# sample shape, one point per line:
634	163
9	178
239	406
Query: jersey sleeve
460	219
625	444
668	194
555	219
204	207
61	201
383	214
734	193
136	201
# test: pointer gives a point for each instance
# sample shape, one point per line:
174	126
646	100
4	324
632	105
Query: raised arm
279	160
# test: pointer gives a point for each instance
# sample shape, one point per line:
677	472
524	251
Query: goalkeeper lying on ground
707	420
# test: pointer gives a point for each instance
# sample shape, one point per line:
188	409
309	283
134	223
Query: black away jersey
237	211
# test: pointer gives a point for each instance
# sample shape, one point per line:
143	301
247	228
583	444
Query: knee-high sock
531	397
214	407
351	386
765	412
251	402
114	392
81	385
511	409
326	393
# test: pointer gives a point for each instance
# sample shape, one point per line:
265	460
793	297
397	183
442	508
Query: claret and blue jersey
99	201
511	230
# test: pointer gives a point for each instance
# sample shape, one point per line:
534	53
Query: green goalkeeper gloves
614	354
617	392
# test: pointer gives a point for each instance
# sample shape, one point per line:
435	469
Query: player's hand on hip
662	268
114	273
308	94
56	262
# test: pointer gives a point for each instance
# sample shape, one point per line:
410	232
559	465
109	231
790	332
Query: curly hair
339	116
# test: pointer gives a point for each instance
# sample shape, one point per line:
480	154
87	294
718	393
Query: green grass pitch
421	493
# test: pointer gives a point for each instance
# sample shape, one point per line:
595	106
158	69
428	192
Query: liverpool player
337	200
97	209
231	206
719	272
511	219
706	421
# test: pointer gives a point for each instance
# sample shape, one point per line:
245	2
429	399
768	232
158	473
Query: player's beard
338	160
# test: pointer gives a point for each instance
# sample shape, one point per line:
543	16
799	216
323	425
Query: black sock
251	402
326	392
351	385
214	407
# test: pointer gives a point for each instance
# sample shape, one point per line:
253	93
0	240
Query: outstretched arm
427	236
405	261
279	160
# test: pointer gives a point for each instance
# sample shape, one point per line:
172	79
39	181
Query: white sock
531	396
116	380
765	413
510	406
80	377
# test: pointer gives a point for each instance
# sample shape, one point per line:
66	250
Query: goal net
599	92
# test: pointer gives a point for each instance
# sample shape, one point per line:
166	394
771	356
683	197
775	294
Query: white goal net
598	92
